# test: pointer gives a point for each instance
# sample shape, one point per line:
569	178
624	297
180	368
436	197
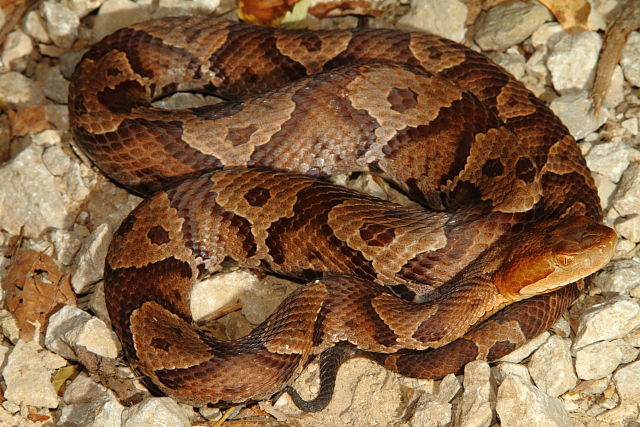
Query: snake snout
574	248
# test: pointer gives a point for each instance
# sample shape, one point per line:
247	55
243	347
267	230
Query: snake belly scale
508	228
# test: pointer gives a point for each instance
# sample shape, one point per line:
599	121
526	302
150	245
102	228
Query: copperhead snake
510	222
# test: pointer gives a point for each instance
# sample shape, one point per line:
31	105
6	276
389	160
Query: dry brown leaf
573	15
62	375
264	12
38	418
105	371
35	288
26	120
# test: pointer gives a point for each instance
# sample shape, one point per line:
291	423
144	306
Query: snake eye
564	260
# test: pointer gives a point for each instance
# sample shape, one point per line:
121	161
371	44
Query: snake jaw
553	255
584	248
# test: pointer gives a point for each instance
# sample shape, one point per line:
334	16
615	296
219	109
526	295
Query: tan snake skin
510	219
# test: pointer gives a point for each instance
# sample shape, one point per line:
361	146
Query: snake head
553	254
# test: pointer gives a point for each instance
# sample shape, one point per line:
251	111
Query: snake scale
509	222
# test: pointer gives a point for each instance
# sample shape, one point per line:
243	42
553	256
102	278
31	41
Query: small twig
226	415
632	252
221	312
20	7
614	41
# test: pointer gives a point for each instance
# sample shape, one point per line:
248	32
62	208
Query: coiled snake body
510	219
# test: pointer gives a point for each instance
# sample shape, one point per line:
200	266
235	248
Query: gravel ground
584	371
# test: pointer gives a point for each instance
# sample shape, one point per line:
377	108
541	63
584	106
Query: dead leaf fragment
38	418
573	15
264	12
26	120
62	375
35	288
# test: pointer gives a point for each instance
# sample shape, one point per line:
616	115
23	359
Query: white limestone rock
573	59
62	23
57	115
546	35
606	188
17	90
66	245
89	404
619	277
210	414
437	409
630	60
4	352
259	298
360	386
628	351
623	249
68	62
511	60
562	328
626	381
609	159
34	198
90	259
478	397
448	388
521	404
615	92
631	125
629	228
71	327
82	8
597	360
626	199
56	160
509	24
35	26
612	319
52	82
9	326
185	7
155	412
527	348
442	17
589	388
551	367
431	413
114	14
17	47
27	378
625	414
575	111
97	303
16	418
